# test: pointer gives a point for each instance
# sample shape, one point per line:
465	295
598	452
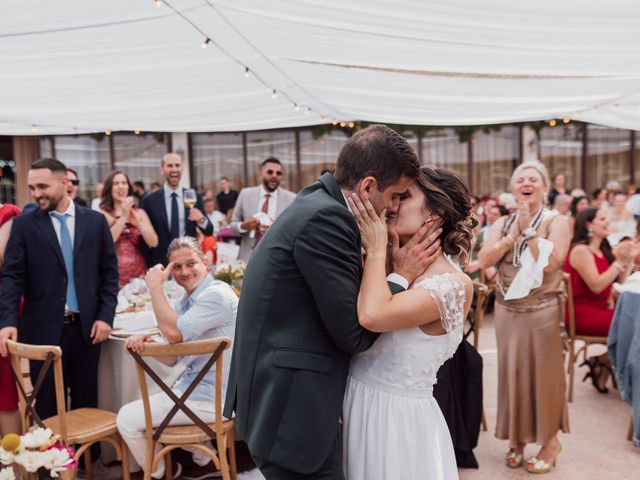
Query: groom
297	323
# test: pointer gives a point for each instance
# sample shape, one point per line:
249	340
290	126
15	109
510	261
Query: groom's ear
367	187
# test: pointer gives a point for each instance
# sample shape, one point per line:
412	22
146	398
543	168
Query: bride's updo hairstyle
447	196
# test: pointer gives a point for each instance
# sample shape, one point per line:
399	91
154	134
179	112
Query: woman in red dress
129	226
593	267
9	416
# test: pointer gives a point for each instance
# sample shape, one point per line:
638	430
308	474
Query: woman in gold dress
529	248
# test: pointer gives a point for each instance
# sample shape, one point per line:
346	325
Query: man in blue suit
168	214
61	259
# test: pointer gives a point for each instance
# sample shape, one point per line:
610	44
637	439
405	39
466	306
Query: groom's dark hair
378	152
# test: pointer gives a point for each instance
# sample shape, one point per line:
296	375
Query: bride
392	425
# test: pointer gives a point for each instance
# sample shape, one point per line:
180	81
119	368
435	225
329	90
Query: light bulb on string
107	132
158	3
296	107
247	72
594	109
552	122
137	131
351	124
334	122
565	120
307	111
34	128
205	44
322	119
615	107
274	94
343	124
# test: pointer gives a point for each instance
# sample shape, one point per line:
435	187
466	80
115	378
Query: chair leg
168	465
484	422
222	455
125	460
87	463
630	430
232	455
571	367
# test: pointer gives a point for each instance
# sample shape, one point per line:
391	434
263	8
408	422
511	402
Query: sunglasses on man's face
75	182
274	172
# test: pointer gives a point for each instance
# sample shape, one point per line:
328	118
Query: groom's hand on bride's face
413	258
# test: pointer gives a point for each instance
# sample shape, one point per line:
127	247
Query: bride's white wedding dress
393	428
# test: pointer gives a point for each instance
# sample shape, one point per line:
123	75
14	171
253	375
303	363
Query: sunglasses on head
274	172
75	182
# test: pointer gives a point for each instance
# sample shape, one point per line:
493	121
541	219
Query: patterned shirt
209	312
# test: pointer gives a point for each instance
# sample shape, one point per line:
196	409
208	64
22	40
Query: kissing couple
336	353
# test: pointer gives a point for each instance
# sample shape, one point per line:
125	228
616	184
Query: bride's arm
378	309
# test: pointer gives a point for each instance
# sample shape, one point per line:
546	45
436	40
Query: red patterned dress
130	260
9	396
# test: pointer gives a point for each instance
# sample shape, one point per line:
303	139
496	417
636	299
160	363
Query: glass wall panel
140	156
560	149
217	155
88	155
7	171
495	156
46	147
278	144
317	154
442	148
608	152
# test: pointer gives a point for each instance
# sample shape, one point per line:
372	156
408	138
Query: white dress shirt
167	205
71	225
273	202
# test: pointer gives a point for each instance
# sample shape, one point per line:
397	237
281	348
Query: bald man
170	217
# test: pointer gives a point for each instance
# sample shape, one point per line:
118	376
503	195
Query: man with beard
169	215
61	259
258	207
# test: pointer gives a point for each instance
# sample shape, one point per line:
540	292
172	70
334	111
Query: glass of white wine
189	197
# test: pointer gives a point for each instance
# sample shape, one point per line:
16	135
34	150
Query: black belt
71	317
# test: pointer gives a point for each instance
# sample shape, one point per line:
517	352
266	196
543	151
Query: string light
274	94
205	44
594	109
616	107
107	132
247	72
322	119
158	3
343	124
334	122
34	128
136	131
351	124
565	120
552	123
307	111
296	107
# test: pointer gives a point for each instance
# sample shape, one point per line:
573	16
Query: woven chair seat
85	424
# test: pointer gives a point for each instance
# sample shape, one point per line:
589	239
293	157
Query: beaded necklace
520	247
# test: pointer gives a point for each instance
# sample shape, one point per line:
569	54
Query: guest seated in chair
593	266
208	310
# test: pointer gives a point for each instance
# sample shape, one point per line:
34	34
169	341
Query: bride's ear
367	187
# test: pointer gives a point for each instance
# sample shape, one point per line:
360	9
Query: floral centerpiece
36	455
231	274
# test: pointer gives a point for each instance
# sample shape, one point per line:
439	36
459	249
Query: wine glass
189	198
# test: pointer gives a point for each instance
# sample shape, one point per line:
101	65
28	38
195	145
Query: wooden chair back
52	358
475	318
214	348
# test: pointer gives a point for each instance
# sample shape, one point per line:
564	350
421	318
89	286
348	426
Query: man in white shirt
258	207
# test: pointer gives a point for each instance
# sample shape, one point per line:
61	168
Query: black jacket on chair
34	267
154	204
296	330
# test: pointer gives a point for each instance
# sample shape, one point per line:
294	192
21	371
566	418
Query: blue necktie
175	221
67	254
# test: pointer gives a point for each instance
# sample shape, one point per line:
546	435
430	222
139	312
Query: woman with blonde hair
528	248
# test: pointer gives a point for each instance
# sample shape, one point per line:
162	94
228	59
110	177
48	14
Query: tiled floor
596	448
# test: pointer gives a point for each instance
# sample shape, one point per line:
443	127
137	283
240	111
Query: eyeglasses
274	172
75	182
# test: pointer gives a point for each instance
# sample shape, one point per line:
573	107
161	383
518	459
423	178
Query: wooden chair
572	337
193	435
476	317
81	427
630	430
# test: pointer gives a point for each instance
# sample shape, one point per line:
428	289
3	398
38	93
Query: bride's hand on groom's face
373	227
414	257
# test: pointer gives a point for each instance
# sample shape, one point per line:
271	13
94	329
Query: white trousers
131	425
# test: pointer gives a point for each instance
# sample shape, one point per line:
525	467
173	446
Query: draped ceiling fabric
74	66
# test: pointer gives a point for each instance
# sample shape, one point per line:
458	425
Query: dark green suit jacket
297	328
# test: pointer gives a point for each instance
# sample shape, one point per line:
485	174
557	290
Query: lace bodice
406	361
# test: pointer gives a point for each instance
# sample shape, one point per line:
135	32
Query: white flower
31	460
7	474
56	460
6	458
36	438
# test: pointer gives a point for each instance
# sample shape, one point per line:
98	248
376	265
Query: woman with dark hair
528	249
593	267
128	225
389	407
578	204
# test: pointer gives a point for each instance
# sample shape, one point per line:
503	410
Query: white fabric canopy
73	66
